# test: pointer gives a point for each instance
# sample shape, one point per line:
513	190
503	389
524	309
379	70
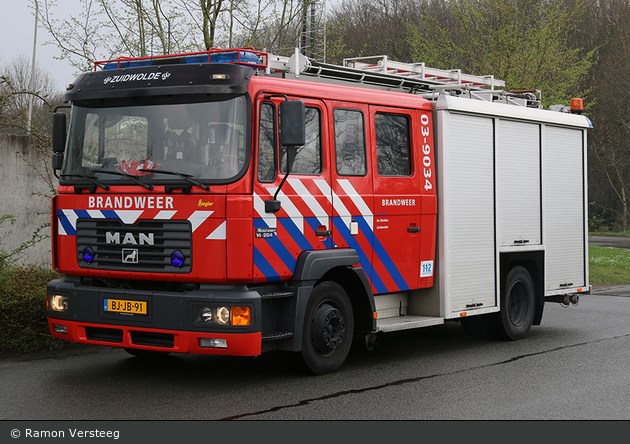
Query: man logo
129	256
129	239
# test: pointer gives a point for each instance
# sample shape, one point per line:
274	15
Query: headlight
57	302
224	315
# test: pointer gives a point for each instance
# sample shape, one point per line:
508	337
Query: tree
15	91
523	42
14	103
609	142
107	29
360	28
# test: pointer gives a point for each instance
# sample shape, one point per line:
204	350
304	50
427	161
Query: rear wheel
518	303
328	329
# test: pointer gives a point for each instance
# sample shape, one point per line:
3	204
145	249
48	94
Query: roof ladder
384	72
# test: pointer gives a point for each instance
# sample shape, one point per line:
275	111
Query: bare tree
16	91
15	80
105	29
272	25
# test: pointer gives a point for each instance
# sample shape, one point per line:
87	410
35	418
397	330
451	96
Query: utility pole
32	86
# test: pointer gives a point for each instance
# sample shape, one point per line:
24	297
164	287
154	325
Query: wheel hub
328	328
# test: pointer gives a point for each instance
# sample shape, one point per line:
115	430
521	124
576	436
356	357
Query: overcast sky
17	26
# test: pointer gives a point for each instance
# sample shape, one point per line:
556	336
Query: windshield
201	141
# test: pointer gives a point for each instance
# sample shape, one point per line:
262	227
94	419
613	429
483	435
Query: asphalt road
610	241
574	366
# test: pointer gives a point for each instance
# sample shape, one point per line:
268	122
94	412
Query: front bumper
237	344
171	321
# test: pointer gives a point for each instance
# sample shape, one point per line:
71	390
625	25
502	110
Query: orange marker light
241	316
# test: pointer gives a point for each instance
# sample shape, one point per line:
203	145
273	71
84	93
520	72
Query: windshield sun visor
173	82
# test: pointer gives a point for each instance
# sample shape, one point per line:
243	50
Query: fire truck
234	202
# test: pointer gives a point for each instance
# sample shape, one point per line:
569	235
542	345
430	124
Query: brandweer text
126	202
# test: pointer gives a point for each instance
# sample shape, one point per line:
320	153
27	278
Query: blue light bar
238	57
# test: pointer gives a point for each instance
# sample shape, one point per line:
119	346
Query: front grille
104	334
146	246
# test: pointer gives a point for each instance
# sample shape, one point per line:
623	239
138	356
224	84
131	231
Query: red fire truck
233	202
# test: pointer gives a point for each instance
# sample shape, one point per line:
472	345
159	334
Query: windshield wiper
187	177
90	179
129	176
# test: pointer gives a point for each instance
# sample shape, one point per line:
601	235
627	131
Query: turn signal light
241	316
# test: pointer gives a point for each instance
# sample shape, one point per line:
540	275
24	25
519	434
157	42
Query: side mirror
292	135
58	141
57	161
59	132
292	123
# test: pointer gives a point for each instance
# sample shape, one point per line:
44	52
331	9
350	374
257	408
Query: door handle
413	229
323	232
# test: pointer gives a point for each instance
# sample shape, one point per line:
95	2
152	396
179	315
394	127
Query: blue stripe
296	234
364	261
111	214
82	214
278	247
379	250
264	266
65	223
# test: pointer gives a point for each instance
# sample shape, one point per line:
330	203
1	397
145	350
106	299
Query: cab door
397	200
303	221
351	166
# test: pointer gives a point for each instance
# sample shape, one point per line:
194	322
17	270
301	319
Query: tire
518	304
328	329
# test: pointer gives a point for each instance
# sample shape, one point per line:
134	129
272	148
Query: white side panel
518	183
466	212
564	200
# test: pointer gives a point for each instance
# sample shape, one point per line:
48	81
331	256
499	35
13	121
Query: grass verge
609	266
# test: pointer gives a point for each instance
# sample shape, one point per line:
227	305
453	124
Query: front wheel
518	303
328	329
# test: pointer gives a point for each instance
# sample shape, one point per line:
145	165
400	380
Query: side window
349	142
267	143
393	147
308	158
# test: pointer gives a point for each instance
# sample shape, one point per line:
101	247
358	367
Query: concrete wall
25	195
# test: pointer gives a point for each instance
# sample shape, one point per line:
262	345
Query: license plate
122	306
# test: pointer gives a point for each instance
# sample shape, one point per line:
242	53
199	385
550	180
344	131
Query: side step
397	323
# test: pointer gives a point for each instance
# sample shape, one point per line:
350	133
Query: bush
23	323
